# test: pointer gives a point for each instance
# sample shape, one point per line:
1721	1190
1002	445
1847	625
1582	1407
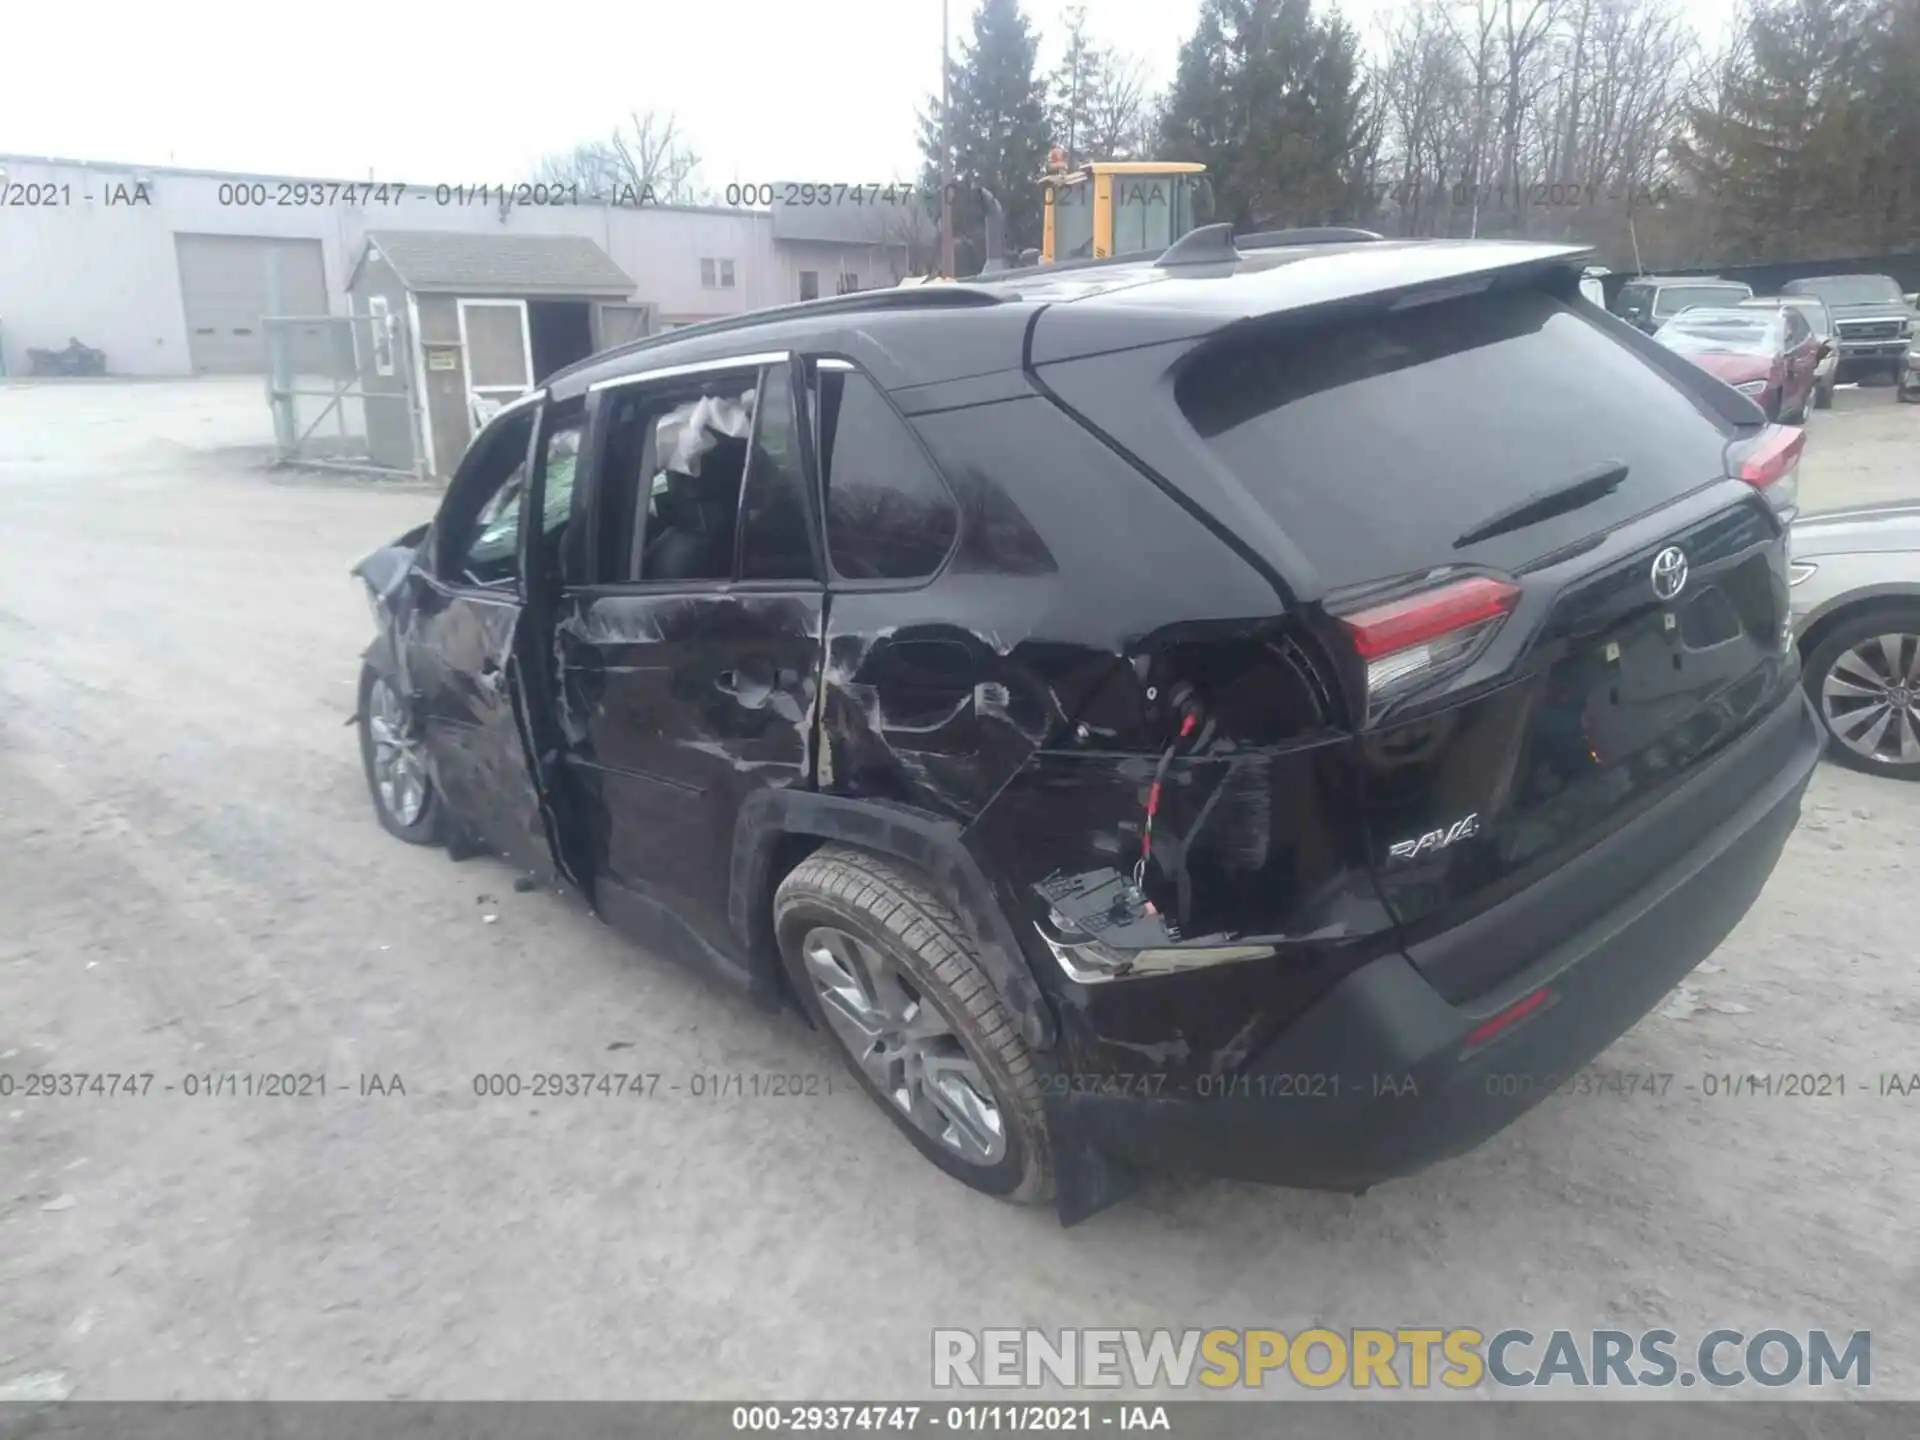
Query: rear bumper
1378	1080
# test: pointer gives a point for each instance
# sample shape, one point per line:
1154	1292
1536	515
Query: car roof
1849	275
922	334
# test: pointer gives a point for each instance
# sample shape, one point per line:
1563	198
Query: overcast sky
407	90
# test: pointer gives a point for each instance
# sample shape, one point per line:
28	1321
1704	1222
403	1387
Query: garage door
223	285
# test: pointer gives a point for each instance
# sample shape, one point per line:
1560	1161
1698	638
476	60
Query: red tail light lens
1409	641
1770	462
1382	629
1507	1018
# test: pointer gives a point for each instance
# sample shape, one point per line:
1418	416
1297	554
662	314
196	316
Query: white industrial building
167	270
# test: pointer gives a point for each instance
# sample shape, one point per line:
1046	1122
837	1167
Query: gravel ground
193	881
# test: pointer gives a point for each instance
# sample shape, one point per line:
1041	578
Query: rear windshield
1851	289
1703	332
1675	298
1810	310
1375	444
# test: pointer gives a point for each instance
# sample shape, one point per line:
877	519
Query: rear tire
872	940
1845	670
386	731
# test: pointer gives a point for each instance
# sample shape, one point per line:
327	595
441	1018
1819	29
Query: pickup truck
1873	322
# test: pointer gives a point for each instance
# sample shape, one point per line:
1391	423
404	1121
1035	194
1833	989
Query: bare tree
1477	36
646	161
1116	113
1424	96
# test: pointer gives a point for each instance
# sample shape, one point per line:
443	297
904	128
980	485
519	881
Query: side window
889	515
673	464
483	517
773	502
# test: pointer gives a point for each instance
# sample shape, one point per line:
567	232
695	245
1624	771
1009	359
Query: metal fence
342	393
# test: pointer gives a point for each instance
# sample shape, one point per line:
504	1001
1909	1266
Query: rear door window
889	514
1376	444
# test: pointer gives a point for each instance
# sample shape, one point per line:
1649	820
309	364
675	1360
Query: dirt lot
193	882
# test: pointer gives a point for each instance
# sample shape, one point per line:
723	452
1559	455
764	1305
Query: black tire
895	911
1899	617
428	827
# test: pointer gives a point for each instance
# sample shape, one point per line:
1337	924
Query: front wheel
1864	678
882	964
395	762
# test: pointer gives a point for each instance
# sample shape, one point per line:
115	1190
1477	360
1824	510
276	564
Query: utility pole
946	151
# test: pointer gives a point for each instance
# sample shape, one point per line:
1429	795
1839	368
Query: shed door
498	350
622	323
224	291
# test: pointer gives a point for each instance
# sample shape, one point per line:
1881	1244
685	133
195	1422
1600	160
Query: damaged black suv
1269	710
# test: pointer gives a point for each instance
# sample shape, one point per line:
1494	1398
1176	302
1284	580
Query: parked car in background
791	641
1769	354
1910	374
1593	286
1856	613
1826	374
1873	319
1649	301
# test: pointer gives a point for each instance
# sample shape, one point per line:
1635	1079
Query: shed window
381	327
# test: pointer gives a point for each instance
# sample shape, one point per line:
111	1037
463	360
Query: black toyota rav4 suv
1270	711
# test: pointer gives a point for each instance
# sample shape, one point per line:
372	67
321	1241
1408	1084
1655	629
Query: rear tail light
1410	641
1491	1030
1770	462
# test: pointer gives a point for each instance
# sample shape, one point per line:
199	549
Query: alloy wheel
904	1044
1871	698
399	768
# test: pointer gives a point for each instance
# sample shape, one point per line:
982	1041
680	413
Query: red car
1769	355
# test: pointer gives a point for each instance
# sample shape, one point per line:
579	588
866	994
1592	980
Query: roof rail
945	296
1204	245
1313	235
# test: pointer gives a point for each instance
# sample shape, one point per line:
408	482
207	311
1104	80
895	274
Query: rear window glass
1675	298
1699	332
1375	444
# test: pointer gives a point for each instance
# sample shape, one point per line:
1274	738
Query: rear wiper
1600	481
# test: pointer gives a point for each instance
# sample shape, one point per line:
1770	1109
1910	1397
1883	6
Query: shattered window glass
693	494
488	559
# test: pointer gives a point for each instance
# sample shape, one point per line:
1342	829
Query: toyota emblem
1669	572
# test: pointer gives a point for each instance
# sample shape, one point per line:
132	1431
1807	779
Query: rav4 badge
1434	841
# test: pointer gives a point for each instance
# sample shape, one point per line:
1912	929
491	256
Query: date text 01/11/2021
366	195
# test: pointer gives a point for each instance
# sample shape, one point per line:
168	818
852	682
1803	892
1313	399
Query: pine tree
1273	101
999	131
1811	141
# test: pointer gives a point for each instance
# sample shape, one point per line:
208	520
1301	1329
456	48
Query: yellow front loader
1117	207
